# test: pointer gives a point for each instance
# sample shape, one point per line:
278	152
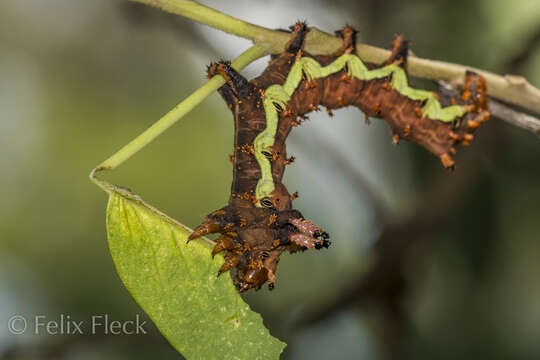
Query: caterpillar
259	223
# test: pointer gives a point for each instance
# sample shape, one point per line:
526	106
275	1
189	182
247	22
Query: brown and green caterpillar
259	222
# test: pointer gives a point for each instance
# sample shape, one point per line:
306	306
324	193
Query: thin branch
516	64
514	117
510	88
506	113
213	18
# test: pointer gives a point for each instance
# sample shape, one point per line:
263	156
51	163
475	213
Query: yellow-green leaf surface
201	315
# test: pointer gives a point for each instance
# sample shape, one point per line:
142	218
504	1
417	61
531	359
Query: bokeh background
424	264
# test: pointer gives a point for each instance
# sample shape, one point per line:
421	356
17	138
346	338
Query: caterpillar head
254	238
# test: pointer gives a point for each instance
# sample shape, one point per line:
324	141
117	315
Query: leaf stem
247	57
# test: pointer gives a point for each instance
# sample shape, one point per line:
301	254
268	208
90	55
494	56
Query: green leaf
201	315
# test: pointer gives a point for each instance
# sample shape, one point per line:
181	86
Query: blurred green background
458	254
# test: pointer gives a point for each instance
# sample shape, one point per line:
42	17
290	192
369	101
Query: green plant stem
513	89
213	18
247	57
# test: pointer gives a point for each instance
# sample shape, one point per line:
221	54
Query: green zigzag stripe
279	95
